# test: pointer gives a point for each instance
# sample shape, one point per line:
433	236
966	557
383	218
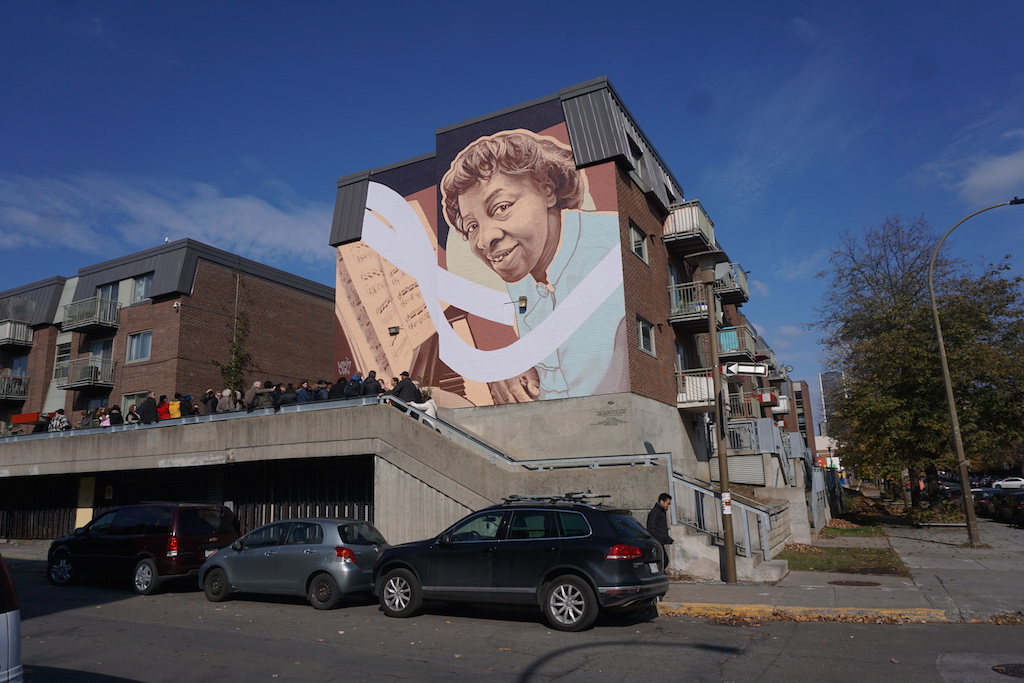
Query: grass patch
806	558
856	532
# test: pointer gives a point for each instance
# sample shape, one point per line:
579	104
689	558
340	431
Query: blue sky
229	122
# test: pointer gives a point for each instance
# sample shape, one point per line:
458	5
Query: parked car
983	502
148	542
321	559
11	670
1015	505
572	558
1000	505
1010	483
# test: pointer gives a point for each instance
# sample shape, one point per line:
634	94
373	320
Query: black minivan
147	542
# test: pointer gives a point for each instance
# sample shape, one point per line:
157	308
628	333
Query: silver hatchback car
321	559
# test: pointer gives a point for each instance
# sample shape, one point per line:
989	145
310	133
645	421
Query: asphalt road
101	633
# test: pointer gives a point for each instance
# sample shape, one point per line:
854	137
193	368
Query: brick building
160	320
509	335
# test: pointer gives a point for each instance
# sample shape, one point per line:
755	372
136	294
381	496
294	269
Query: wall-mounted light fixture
177	306
522	304
393	330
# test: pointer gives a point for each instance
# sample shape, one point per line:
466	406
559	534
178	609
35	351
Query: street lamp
965	480
706	262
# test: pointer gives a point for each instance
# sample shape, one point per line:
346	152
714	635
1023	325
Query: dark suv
148	542
572	558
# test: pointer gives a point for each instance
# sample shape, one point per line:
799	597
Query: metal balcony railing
89	312
13	387
688	229
89	371
733	287
689	308
695	390
15	332
737	341
744	404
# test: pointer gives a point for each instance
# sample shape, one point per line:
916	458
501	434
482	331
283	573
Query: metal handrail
13	386
93	310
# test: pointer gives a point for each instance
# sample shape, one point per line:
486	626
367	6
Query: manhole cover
1015	670
853	583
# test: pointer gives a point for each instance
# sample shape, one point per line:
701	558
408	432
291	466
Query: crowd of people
261	395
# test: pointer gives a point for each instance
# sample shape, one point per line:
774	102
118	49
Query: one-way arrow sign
730	369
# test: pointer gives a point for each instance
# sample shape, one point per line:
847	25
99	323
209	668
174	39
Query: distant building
830	385
159	320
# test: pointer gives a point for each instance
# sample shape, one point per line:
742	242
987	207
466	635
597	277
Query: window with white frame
638	239
140	291
60	365
139	345
645	334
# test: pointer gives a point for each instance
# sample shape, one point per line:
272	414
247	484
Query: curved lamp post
961	461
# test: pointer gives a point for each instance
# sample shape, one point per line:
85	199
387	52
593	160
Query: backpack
353	388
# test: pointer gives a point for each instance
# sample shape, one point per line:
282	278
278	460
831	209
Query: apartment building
160	320
538	271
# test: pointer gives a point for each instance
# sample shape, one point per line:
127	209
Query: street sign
759	369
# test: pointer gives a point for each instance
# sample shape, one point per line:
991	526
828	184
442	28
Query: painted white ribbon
401	238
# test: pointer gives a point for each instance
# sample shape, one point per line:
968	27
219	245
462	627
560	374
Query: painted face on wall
512	225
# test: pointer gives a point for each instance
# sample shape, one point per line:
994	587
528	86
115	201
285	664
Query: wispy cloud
984	163
790	267
100	215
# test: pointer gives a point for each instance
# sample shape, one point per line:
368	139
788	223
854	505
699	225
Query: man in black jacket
147	410
657	523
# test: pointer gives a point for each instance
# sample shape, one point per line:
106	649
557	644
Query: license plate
653	566
210	552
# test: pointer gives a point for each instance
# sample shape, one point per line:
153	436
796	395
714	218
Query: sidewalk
950	583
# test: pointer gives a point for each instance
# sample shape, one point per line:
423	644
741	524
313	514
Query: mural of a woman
515	198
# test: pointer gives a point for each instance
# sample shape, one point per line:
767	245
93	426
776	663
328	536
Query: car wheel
324	592
145	580
569	604
400	594
215	585
60	572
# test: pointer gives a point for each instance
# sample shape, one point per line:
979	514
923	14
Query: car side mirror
80	531
445	539
236	546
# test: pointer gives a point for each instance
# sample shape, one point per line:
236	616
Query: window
637	155
305	533
645	332
573	524
528	524
638	239
483	527
139	346
60	365
108	292
135	399
140	291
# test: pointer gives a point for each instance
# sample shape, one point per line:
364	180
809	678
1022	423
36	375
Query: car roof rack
572	497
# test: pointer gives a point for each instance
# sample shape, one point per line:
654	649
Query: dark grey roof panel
174	267
349	209
600	128
35	303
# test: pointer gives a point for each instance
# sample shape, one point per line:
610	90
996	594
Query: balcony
768	397
744	405
783	406
688	230
689	312
15	333
92	313
13	387
695	390
84	372
737	343
733	287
